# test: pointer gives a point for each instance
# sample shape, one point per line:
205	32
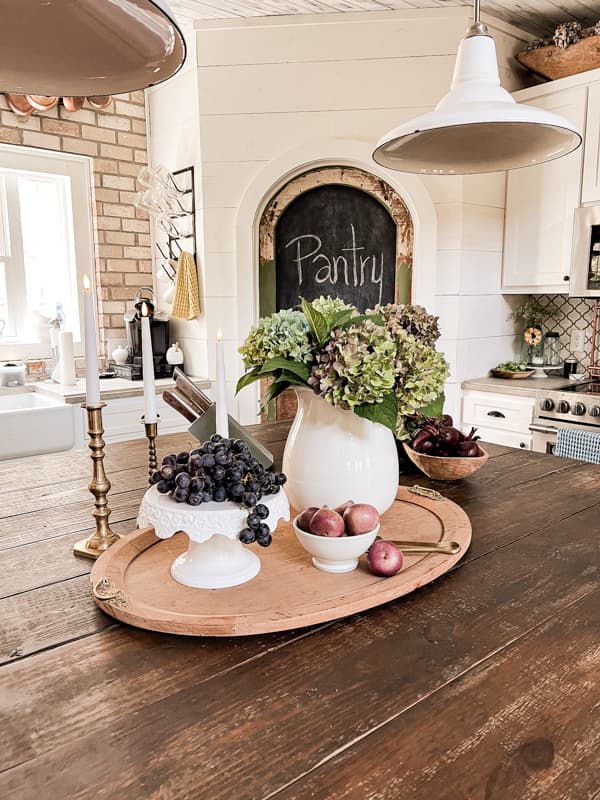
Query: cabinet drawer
507	438
500	412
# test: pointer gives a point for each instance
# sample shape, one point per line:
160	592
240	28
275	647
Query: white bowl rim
356	537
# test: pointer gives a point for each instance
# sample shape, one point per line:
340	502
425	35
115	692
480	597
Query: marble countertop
110	388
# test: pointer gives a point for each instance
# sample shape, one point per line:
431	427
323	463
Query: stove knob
595	411
547	404
563	407
579	409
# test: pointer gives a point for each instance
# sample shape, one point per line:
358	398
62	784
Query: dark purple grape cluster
222	469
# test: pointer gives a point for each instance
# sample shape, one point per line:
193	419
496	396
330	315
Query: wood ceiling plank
539	18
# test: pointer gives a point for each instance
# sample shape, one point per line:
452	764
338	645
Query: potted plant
357	377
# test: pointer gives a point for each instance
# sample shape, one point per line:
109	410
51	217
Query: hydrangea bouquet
382	365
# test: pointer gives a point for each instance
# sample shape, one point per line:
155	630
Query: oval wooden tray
132	582
503	373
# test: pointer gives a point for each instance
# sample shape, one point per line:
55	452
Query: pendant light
477	127
87	48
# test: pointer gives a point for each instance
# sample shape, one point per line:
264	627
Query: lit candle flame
144	310
86	284
219	335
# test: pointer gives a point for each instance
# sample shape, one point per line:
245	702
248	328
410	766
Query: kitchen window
46	246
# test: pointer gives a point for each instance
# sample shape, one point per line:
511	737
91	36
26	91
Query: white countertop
526	387
110	388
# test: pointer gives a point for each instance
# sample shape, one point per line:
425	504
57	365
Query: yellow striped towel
186	303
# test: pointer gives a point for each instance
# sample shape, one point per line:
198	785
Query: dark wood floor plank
523	726
257	727
46	617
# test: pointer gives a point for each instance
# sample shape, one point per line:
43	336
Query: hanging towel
186	303
583	445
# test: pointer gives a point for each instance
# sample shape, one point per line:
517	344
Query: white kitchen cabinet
590	189
540	207
122	420
499	418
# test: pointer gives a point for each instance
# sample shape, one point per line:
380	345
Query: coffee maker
159	334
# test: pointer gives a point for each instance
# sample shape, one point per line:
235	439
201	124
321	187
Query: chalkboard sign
338	241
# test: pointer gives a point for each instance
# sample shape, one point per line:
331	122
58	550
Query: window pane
46	228
7	327
4	238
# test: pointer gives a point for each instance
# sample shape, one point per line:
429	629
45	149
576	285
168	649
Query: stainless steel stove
576	405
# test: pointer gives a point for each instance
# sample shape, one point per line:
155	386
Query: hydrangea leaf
435	408
287	364
385	413
317	322
248	378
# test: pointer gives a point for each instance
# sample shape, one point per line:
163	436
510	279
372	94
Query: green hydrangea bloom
284	334
356	366
412	319
329	306
420	374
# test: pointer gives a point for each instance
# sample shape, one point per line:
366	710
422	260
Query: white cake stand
215	557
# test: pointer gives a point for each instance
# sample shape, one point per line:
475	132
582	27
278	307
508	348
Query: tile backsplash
574	313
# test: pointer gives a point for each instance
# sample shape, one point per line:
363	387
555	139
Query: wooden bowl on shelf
442	468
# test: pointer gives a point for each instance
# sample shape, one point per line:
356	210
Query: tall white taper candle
148	367
92	380
221	418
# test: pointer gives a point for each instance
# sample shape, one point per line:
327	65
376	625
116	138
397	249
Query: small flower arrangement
382	365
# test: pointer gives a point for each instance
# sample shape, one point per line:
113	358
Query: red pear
303	519
360	518
384	558
327	522
340	509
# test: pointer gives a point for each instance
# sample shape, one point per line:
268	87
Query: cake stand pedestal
215	558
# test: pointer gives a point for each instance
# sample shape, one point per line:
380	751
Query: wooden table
481	686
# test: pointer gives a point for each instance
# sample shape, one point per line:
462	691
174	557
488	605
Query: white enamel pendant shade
87	47
477	127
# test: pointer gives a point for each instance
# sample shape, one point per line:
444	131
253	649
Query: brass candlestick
103	537
151	429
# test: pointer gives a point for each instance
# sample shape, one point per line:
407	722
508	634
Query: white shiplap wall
263	87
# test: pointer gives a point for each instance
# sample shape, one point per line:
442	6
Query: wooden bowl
441	468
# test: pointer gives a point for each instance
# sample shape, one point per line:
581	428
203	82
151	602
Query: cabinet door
590	190
540	208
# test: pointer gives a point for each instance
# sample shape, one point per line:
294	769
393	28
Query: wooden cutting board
132	580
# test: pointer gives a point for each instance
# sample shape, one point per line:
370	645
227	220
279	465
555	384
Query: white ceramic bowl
335	554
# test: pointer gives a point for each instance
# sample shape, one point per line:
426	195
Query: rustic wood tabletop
481	686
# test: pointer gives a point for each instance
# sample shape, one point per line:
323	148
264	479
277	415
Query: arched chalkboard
335	240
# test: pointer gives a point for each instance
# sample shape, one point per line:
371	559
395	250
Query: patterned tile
573	313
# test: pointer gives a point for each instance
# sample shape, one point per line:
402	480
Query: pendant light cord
477	11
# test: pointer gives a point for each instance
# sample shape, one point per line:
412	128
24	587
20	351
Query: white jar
120	354
174	354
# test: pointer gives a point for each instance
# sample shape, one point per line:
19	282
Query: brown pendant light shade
83	48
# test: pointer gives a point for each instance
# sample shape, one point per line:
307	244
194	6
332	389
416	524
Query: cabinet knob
522	444
566	278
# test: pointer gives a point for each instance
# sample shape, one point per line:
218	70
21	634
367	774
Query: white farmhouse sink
31	424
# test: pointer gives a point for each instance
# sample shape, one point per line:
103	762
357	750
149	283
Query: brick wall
116	140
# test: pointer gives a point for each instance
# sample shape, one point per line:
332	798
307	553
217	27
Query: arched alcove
338	231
